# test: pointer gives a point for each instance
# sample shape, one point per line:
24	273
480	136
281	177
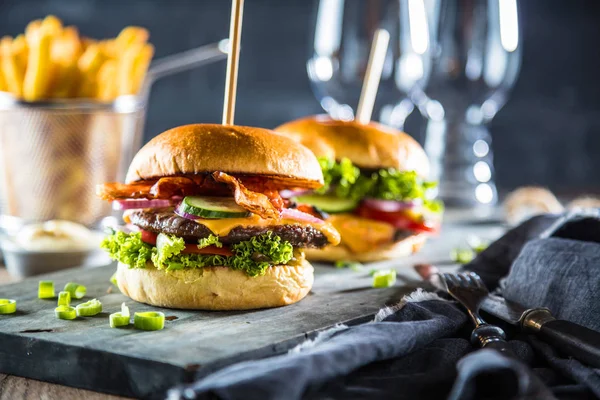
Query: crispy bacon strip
164	188
254	202
255	194
122	191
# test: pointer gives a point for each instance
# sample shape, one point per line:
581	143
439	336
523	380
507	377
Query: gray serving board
87	353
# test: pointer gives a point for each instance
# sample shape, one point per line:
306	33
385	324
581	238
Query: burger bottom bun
216	288
400	249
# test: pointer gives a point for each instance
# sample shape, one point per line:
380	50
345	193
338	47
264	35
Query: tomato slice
398	219
193	249
148	237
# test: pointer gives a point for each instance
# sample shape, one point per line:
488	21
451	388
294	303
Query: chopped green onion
65	312
8	306
383	279
462	256
77	291
149	321
480	247
372	272
113	279
120	319
46	290
89	308
64	299
477	244
353	265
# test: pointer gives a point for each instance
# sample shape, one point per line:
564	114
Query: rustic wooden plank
15	388
133	363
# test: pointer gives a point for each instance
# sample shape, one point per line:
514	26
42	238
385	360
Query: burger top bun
201	148
368	146
528	201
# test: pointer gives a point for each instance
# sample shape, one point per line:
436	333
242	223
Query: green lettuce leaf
166	247
257	254
128	248
342	173
345	180
211	240
252	257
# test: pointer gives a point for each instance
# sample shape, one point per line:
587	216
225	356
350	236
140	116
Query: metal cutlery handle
570	338
491	337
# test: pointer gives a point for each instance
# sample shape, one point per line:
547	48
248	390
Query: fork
469	290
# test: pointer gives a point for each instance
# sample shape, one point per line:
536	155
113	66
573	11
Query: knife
568	337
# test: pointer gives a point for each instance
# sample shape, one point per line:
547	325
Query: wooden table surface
17	388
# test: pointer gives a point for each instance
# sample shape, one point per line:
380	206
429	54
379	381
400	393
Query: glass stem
462	161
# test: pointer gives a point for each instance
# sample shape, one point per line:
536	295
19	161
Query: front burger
375	191
206	227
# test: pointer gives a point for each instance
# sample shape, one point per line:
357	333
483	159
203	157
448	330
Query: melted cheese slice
222	227
361	234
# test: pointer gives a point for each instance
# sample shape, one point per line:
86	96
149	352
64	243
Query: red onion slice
133	204
297	215
185	215
390	205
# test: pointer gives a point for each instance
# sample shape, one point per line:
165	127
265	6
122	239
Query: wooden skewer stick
366	102
235	34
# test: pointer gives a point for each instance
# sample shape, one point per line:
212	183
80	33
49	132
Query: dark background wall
548	133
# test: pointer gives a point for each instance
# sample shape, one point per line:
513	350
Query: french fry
109	48
52	25
3	87
21	50
142	62
131	35
66	50
88	65
133	67
37	78
107	82
86	42
31	31
12	74
51	60
125	69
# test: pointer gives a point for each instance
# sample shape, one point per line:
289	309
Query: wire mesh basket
53	154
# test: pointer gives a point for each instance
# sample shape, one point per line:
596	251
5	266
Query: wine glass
476	57
340	50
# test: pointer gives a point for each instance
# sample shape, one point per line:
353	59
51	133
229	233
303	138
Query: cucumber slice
213	207
328	203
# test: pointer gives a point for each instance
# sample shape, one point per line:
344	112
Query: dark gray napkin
419	349
561	271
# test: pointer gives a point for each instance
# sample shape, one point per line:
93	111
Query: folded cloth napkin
418	349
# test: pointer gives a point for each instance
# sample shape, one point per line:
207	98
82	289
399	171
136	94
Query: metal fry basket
53	154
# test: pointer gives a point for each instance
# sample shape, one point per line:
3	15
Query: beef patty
163	221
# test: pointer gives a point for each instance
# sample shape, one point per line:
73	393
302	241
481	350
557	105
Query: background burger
208	227
375	189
